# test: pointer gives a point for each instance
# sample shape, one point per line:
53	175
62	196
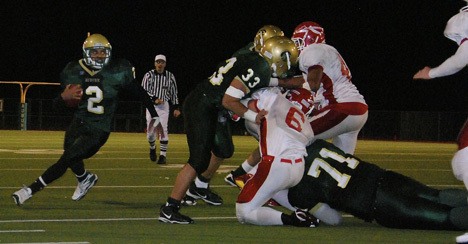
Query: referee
161	86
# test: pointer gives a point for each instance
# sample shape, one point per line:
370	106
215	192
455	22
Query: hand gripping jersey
250	68
336	85
100	89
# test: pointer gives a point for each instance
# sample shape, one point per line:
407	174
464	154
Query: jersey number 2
95	97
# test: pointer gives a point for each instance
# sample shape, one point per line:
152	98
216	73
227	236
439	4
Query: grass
123	207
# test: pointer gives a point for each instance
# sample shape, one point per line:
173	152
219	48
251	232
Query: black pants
81	142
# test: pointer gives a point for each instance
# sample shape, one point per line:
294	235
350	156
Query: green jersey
100	89
253	70
249	48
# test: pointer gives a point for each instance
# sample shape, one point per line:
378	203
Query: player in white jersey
457	31
283	135
340	110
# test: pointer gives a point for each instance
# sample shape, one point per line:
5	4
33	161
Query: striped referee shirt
162	86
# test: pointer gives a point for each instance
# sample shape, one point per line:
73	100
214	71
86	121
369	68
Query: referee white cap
160	57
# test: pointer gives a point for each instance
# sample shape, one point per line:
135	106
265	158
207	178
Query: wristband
250	115
234	92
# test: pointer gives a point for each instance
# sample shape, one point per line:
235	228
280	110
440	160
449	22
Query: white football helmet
307	33
302	99
92	44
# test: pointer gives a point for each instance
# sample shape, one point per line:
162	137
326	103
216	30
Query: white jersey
285	131
336	85
457	31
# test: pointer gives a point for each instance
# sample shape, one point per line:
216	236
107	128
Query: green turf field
123	207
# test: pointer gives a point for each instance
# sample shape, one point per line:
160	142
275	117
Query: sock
152	144
287	220
37	185
82	177
163	147
246	166
173	202
242	169
201	182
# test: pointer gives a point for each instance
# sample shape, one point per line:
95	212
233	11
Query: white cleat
84	186
22	195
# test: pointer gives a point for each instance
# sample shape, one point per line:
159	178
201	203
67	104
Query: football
76	93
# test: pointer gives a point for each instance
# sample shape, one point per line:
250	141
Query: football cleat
230	180
205	194
21	195
462	238
189	201
152	155
84	186
170	214
238	181
162	159
301	218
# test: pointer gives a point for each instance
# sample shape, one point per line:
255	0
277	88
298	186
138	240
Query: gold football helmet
282	55
265	33
91	45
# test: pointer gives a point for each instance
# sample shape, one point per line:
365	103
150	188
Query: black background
383	42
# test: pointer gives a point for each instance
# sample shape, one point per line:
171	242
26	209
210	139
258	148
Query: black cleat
204	194
162	159
152	155
170	214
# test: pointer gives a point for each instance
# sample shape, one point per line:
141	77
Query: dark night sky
383	42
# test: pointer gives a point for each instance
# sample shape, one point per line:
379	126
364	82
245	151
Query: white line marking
104	220
20	231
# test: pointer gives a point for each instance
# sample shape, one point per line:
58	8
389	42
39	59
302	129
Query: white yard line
104	219
20	231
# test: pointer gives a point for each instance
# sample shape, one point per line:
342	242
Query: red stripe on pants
252	186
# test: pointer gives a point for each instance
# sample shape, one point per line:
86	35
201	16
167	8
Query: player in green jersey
91	86
205	110
369	192
202	181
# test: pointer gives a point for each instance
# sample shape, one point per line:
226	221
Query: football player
284	133
457	31
97	80
207	123
369	192
340	110
202	181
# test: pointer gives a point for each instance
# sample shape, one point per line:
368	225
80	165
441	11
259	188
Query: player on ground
97	80
206	118
370	193
284	133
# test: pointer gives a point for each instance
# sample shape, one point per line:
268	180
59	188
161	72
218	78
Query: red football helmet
308	33
302	99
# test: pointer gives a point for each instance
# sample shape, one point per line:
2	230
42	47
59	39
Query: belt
289	161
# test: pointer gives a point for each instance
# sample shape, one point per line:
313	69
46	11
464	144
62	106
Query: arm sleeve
173	92
138	91
145	83
453	64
